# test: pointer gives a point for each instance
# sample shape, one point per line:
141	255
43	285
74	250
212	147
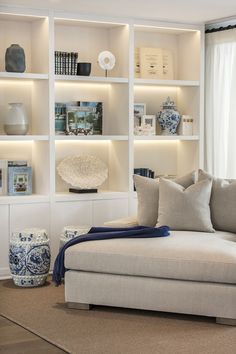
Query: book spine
60	63
70	59
75	64
55	62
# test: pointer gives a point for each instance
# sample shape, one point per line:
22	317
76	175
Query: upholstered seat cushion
185	255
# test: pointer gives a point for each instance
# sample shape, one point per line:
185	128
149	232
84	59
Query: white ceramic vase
16	122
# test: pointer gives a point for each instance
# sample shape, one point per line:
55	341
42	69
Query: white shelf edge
24	199
23	76
101	195
166	137
90	137
24	137
98	79
154	82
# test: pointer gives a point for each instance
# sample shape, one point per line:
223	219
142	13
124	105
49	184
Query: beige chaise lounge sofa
187	272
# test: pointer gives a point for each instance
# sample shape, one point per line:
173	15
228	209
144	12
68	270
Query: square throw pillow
148	196
185	208
222	203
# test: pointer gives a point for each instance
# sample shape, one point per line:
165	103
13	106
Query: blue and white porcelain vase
70	232
168	118
29	257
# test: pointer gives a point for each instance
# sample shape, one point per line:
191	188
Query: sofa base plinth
78	306
226	321
155	294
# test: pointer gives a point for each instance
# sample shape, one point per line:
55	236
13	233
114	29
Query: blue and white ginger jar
29	257
168	118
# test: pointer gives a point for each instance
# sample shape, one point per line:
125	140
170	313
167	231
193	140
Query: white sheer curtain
220	114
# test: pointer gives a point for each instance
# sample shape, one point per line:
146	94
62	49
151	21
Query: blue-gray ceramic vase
15	59
168	118
29	257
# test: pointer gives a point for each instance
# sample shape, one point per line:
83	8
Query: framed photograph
83	120
139	111
19	180
148	124
60	118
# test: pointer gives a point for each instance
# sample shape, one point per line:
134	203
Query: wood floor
17	340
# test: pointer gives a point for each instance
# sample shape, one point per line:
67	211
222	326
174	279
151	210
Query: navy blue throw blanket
104	233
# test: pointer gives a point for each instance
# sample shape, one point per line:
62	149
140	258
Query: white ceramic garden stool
70	232
29	257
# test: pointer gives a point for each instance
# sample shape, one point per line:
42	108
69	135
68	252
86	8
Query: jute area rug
111	330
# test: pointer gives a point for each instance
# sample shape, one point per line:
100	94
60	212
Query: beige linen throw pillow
223	202
185	209
148	196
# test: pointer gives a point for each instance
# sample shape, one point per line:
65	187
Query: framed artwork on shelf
139	111
78	118
19	180
148	124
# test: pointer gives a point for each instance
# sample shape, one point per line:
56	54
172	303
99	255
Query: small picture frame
19	180
148	124
139	111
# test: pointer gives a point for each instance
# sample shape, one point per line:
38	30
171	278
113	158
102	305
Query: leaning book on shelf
19	180
3	177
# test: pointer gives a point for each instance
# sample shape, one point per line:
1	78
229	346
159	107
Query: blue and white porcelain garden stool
29	257
70	232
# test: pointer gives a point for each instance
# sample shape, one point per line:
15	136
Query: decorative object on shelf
15	59
107	61
139	111
168	65
84	69
84	118
70	232
65	63
60	118
168	118
136	63
154	63
187	125
16	121
29	257
151	63
3	177
85	173
147	127
19	180
78	118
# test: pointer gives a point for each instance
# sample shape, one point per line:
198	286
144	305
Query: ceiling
188	11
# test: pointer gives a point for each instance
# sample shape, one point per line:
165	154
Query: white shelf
24	199
166	82
101	195
91	137
166	137
24	137
23	76
95	79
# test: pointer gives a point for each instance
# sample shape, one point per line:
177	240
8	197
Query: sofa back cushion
185	209
148	196
223	202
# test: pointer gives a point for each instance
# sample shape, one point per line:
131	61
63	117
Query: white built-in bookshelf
51	206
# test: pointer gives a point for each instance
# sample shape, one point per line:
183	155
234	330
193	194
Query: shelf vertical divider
131	114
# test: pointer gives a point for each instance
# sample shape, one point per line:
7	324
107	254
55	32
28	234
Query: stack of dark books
66	63
145	172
